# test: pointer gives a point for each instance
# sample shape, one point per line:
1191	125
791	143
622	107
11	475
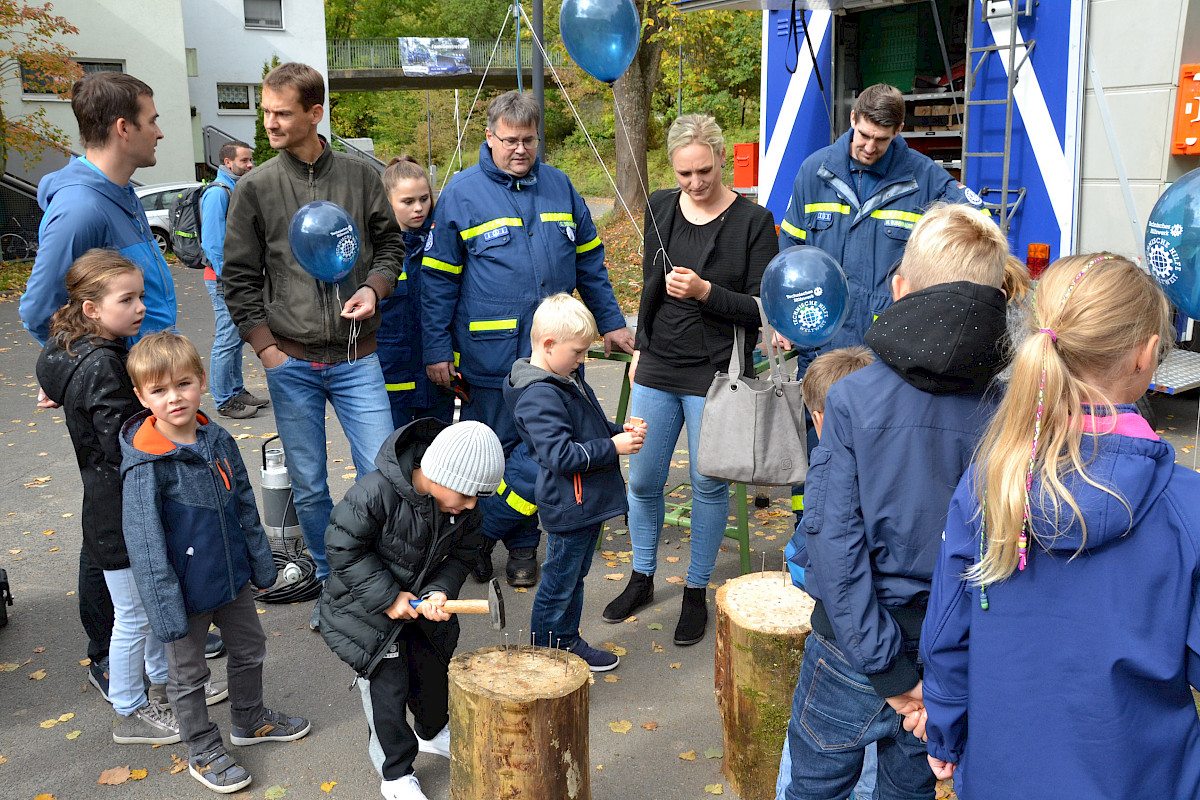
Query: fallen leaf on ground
137	774
713	752
74	735
68	514
85	662
610	564
13	552
327	786
624	726
262	611
650	726
66	717
37	676
675	579
274	792
714	788
37	482
50	723
631	619
676	665
615	649
690	755
673	559
39	649
180	764
611	678
47	533
53	549
654	626
614	576
115	776
521	589
46	796
243	436
8	666
608	554
656	647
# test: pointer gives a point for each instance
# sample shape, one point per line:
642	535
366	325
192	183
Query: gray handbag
752	430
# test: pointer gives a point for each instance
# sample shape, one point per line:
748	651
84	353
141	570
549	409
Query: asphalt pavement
55	730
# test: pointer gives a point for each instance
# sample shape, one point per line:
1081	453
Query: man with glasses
507	233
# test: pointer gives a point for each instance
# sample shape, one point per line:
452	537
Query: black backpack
184	219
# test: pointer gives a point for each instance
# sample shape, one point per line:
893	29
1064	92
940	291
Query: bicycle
15	247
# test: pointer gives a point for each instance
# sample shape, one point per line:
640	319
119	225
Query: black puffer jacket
91	385
384	538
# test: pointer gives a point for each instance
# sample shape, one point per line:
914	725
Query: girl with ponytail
1063	627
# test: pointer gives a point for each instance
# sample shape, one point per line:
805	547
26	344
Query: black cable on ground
305	587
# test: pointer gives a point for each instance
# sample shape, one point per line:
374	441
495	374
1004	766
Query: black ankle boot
638	593
693	618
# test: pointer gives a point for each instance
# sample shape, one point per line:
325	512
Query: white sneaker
406	788
439	745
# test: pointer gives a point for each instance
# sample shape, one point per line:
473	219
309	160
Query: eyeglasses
511	142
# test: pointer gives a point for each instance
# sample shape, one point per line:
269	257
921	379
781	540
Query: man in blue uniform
507	233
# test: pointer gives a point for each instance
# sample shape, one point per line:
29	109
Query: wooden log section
519	725
762	624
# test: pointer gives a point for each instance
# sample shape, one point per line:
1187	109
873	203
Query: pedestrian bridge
371	65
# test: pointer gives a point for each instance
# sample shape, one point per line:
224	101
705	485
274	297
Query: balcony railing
385	54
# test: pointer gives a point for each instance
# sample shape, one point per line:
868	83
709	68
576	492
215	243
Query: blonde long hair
1090	312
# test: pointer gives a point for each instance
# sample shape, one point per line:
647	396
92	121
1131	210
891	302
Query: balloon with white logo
1173	243
804	295
324	240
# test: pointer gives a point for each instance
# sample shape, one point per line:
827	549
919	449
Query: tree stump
762	624
519	725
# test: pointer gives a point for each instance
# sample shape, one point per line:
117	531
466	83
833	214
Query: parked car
156	199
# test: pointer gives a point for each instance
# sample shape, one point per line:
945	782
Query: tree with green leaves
262	145
29	44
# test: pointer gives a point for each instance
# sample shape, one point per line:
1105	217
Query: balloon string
583	127
355	329
662	246
471	108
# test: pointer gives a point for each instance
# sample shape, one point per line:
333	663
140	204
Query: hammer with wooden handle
494	605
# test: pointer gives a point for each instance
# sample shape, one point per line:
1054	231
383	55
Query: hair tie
1053	335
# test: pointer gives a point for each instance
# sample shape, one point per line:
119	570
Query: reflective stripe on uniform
520	504
793	231
493	325
558	217
400	387
491	225
909	218
403	277
797	502
837	208
592	245
457	357
433	263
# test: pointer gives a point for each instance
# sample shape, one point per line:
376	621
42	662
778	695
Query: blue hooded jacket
1075	680
499	245
84	209
398	340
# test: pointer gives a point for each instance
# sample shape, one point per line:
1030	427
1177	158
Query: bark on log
762	624
519	725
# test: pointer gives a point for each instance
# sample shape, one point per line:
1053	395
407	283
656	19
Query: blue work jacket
499	245
865	235
398	341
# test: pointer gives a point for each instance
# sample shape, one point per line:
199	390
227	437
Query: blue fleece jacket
1074	682
214	205
84	209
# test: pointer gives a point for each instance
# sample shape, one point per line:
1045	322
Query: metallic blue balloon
601	35
804	294
324	239
1173	243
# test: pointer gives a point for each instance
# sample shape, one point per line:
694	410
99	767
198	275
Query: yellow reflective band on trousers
491	225
433	263
592	245
836	208
558	217
797	502
493	325
518	503
400	387
793	231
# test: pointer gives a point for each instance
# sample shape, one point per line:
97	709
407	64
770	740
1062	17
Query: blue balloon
601	35
804	294
324	239
1173	243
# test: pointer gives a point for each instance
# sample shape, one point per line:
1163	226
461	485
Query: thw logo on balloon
347	243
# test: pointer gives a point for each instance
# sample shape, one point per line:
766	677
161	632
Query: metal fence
385	54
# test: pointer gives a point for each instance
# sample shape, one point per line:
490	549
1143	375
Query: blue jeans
133	647
665	414
863	790
299	391
835	715
225	363
558	604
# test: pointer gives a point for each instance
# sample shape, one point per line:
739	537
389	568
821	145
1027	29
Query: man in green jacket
316	339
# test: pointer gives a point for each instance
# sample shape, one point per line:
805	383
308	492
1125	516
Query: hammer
494	605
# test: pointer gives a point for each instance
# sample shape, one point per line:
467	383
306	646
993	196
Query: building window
35	82
192	61
237	98
263	13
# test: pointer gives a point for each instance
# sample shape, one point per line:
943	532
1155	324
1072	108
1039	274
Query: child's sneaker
271	727
406	788
597	660
439	745
214	692
150	724
98	677
218	771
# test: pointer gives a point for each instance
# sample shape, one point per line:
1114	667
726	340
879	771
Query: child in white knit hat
407	533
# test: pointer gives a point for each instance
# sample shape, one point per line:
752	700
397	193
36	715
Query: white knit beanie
465	457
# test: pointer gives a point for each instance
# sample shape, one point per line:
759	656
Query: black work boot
638	593
482	570
693	618
522	567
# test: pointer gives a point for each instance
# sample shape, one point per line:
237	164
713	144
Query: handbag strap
774	353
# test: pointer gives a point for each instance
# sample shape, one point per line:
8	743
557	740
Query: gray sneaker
236	409
250	400
150	724
218	771
214	692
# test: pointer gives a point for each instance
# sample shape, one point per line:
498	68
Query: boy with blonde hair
579	483
195	545
896	437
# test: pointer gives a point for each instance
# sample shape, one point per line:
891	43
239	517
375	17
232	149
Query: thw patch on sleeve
972	198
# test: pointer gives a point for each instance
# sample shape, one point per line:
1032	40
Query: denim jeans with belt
835	715
299	392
